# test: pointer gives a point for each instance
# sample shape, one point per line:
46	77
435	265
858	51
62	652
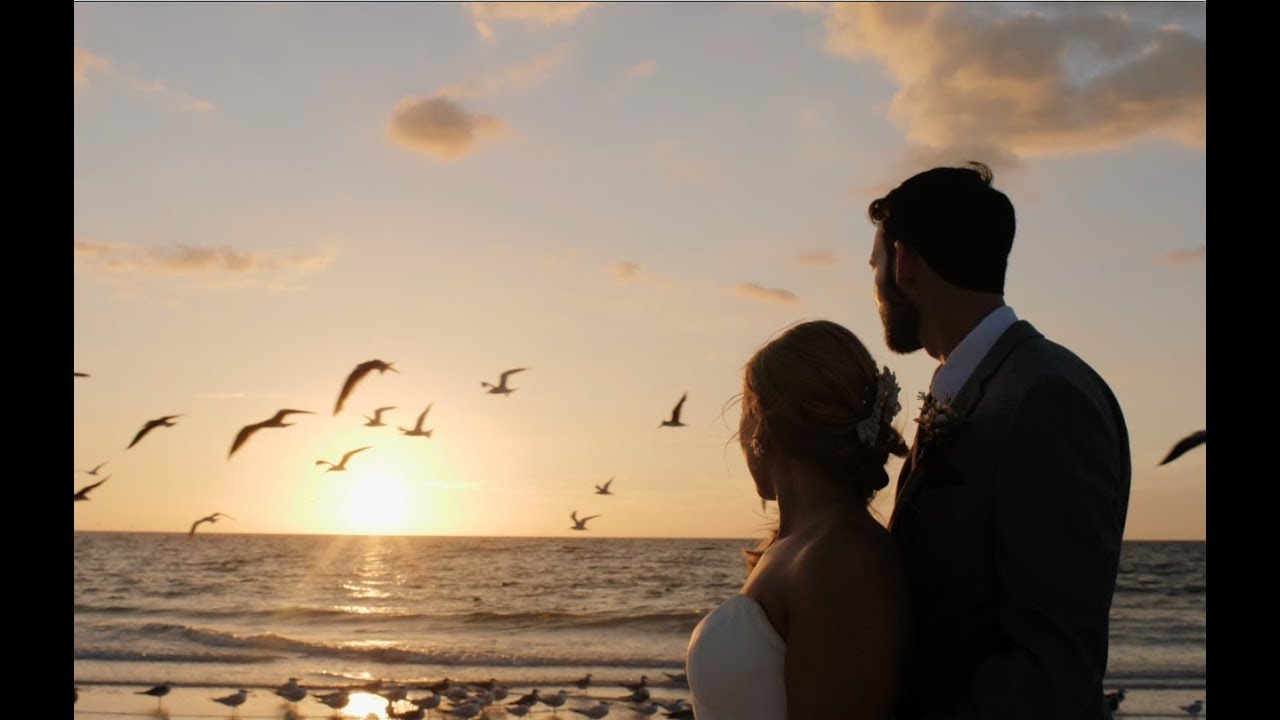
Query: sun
377	502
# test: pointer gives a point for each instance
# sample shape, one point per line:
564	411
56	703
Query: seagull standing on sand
234	700
501	388
166	421
83	493
583	682
469	710
604	489
580	523
158	692
342	464
556	700
207	519
675	414
376	420
356	376
633	687
678	678
526	700
276	421
291	691
417	430
1186	444
336	700
1194	708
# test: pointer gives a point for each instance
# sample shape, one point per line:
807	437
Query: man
1011	506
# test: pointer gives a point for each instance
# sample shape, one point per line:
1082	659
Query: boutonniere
937	418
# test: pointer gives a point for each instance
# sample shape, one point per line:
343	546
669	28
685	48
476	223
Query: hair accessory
884	410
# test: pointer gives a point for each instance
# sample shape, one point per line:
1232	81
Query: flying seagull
83	375
166	421
580	524
675	414
207	519
356	376
83	494
95	470
276	420
501	388
604	489
417	429
342	465
1187	443
376	420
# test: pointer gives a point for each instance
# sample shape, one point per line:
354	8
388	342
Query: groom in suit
1011	506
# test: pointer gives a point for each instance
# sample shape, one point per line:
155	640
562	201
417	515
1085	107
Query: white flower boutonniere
937	418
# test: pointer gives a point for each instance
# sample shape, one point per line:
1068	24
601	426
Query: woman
819	628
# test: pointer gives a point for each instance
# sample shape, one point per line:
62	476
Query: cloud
87	63
186	259
1182	257
643	69
531	13
757	292
625	270
818	258
439	126
1046	80
520	76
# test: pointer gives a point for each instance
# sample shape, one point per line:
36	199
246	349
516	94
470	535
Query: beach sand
120	701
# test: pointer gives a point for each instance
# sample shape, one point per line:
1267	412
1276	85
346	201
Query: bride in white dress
819	628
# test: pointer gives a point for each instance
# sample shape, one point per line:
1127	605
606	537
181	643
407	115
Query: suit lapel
910	478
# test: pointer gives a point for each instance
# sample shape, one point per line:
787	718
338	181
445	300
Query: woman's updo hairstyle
809	389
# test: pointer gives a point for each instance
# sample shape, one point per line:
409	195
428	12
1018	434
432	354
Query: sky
628	200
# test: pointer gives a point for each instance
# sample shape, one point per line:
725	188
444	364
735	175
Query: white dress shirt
963	360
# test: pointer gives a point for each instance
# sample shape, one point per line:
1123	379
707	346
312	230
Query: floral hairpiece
884	410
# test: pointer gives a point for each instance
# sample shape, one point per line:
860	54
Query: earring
757	448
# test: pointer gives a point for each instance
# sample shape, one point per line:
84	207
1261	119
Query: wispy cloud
758	292
521	76
439	127
625	270
817	258
643	69
186	259
1017	81
484	14
1182	257
86	64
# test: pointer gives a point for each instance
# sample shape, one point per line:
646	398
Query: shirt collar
963	360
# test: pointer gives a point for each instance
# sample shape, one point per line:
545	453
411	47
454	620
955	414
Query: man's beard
900	317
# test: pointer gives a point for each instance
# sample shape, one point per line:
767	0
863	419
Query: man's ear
906	266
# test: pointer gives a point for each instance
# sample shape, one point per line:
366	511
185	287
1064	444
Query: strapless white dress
735	664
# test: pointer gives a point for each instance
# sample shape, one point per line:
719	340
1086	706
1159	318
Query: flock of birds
502	387
465	700
1113	700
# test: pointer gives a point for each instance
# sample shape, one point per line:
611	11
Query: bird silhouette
600	710
83	493
166	421
96	468
158	692
83	375
1184	445
356	376
417	429
501	388
604	489
234	700
376	420
275	421
1113	699
675	414
580	523
583	682
207	519
1193	709
342	465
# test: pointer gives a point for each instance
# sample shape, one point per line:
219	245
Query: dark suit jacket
1010	525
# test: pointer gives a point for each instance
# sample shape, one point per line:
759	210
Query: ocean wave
137	656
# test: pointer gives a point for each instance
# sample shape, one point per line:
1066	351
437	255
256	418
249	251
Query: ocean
228	610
